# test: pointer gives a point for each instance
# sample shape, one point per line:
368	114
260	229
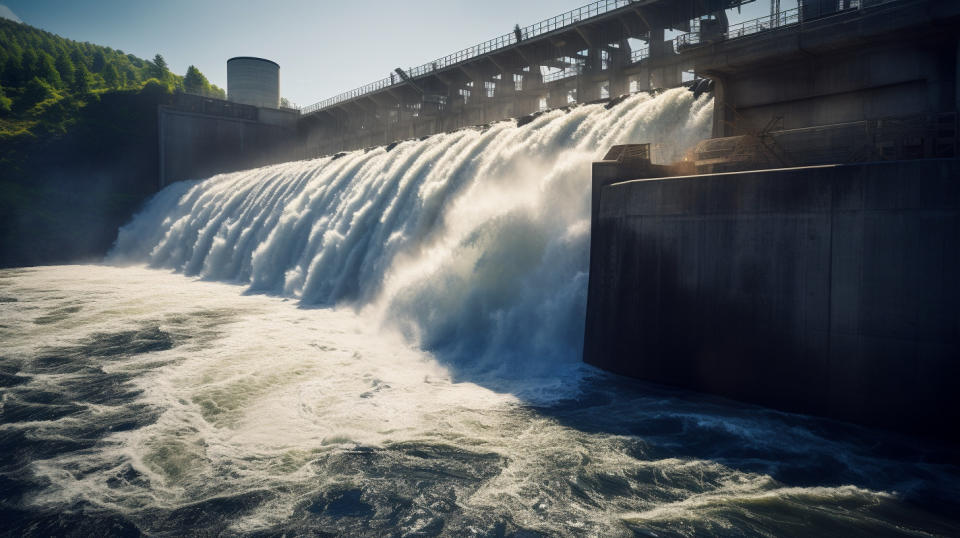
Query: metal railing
563	20
640	53
754	26
357	92
562	74
789	17
782	19
762	24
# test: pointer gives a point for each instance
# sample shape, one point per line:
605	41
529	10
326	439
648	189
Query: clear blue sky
323	47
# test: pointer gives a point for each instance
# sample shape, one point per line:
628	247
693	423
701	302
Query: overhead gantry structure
599	50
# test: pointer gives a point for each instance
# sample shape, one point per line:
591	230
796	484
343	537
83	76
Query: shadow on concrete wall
826	290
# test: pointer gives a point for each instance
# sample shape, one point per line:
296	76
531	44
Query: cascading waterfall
474	244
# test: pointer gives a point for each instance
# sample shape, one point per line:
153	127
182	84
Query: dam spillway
811	85
465	238
241	413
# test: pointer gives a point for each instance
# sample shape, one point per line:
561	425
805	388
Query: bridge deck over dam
606	48
823	62
602	50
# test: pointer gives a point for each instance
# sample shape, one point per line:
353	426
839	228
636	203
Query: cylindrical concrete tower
253	81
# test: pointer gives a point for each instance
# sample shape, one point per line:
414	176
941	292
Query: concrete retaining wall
197	145
826	290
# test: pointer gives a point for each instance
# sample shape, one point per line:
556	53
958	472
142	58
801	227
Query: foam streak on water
135	399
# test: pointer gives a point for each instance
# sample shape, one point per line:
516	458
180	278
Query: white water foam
262	416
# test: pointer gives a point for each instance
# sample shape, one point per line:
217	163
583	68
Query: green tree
81	81
13	50
77	57
129	75
99	62
195	82
158	69
155	87
13	76
28	63
111	77
36	91
47	70
64	68
5	103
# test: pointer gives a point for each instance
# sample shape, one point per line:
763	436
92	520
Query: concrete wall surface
197	146
826	290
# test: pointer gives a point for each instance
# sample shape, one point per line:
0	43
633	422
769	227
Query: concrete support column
587	89
618	85
643	80
594	60
451	114
720	127
454	99
533	79
505	92
504	87
657	44
558	96
479	91
668	76
533	89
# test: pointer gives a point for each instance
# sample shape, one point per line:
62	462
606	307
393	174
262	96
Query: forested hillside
45	79
78	142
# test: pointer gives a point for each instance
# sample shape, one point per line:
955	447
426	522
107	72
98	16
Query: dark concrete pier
827	290
812	265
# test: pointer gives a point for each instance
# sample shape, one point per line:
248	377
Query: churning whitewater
474	244
388	343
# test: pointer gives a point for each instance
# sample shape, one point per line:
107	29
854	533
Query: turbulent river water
388	343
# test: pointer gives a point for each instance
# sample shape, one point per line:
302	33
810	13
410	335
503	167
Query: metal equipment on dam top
600	51
604	49
570	44
792	70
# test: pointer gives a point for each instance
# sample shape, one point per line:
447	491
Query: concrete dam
798	251
595	53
